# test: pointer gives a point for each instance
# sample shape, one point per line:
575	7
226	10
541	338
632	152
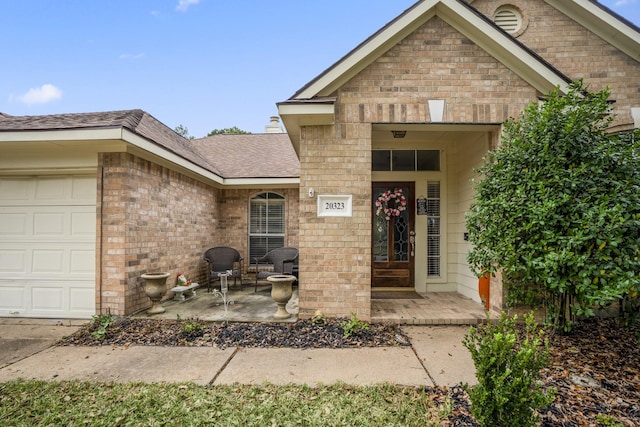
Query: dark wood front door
393	236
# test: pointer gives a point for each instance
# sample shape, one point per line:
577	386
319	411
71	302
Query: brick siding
150	219
577	52
153	219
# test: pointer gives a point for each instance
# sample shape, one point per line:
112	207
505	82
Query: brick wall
335	252
577	52
153	219
233	223
435	62
150	219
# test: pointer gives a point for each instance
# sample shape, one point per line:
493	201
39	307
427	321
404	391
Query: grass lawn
40	403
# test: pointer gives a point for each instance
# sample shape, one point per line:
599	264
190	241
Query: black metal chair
283	261
222	259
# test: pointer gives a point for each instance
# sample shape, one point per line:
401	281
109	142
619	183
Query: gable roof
145	134
313	103
465	19
267	155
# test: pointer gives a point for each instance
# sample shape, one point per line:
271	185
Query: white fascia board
357	60
172	158
601	23
309	114
306	109
501	47
61	135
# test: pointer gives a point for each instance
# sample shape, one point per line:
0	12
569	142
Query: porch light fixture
399	133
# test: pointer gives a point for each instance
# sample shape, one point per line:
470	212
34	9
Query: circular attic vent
508	18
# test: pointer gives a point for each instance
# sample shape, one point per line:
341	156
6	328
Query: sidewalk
437	356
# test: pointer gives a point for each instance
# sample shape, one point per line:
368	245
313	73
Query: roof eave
298	113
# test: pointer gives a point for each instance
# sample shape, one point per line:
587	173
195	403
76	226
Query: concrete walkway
28	350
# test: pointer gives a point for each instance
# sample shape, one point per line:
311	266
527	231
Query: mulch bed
301	334
595	369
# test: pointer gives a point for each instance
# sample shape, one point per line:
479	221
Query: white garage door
47	246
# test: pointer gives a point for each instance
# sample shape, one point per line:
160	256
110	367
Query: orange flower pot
483	289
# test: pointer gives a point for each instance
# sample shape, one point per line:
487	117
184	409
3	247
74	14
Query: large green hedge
557	206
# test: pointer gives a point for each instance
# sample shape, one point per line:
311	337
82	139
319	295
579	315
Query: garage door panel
13	260
52	188
49	224
13	223
83	223
49	298
83	188
15	189
82	262
48	261
12	298
82	300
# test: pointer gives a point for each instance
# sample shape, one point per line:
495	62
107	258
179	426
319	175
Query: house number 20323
334	205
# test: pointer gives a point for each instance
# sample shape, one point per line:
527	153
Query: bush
508	363
100	324
354	326
557	209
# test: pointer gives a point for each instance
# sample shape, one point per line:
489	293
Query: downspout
100	228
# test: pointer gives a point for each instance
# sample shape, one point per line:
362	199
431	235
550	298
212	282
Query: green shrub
192	326
508	363
537	218
353	326
101	323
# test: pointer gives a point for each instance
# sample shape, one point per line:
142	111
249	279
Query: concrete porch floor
436	308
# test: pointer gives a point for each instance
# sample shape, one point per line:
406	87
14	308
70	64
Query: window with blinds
266	224
433	229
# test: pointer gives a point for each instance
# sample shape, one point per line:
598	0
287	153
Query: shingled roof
137	121
228	156
266	155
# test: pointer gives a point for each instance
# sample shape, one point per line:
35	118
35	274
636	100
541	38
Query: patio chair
220	260
283	261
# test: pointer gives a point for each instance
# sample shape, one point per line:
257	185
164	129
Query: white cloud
41	95
183	5
131	55
624	2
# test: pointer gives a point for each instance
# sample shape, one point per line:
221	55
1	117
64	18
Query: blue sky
205	64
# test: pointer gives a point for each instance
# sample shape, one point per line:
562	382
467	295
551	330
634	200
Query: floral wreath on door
391	204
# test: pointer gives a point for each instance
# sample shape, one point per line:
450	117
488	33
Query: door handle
412	240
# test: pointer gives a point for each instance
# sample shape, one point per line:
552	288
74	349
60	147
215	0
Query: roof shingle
229	156
264	155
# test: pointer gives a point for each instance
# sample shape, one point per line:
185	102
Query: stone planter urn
281	292
155	286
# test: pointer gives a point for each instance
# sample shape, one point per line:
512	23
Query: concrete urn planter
281	291
155	286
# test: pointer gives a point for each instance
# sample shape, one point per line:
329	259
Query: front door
393	235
